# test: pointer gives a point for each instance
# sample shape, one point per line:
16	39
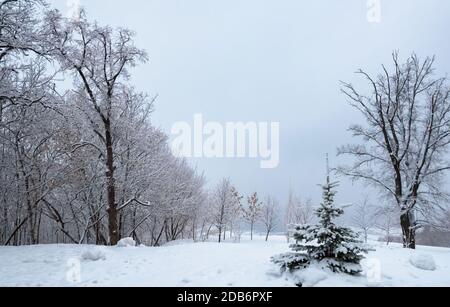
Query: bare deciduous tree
386	218
298	212
252	212
364	217
269	215
223	202
406	137
236	215
99	59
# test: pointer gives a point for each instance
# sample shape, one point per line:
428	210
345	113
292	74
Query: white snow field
187	264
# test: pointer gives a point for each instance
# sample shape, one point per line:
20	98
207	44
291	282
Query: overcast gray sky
261	60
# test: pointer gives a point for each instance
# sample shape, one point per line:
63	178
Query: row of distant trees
228	213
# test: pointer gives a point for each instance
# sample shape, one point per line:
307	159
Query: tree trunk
208	232
388	237
194	230
267	235
38	235
251	232
30	211
409	233
114	235
6	222
16	230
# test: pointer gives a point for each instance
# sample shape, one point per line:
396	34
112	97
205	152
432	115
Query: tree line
81	162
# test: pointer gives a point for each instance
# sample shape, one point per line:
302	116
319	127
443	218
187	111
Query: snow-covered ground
208	265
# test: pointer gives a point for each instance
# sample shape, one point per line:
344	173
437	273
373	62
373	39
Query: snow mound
310	277
423	262
126	242
93	255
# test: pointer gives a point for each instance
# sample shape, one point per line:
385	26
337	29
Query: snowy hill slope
205	265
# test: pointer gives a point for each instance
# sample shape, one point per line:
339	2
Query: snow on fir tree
326	244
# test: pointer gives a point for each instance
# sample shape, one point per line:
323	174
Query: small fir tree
326	243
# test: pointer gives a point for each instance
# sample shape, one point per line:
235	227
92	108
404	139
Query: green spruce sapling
326	244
